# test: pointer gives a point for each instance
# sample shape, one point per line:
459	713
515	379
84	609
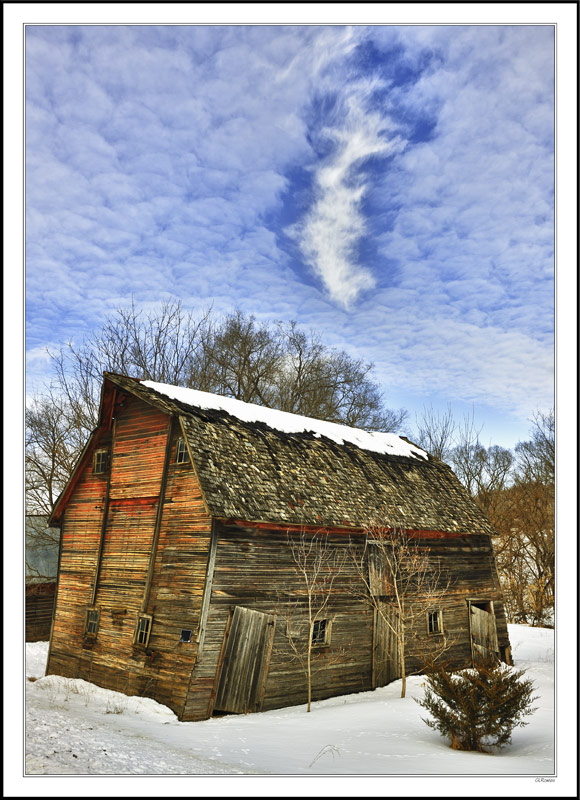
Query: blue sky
391	187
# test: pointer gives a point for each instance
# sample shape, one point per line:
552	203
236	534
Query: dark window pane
434	622
92	621
319	632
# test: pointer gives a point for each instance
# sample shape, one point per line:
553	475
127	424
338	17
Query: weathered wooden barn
177	571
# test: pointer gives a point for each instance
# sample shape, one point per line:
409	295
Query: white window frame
182	452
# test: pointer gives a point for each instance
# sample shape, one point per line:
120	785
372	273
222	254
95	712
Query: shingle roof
251	471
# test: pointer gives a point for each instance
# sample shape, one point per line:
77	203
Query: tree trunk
402	662
309	672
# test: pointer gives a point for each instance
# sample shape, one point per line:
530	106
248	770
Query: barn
184	532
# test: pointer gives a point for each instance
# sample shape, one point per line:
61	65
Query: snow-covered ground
74	728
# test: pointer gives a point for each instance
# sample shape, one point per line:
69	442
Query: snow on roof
376	441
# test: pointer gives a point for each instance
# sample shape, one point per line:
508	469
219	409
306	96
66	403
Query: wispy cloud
332	229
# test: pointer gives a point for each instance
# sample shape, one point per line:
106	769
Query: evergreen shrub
478	708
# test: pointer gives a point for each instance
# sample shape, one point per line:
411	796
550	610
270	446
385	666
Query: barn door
482	630
245	663
385	646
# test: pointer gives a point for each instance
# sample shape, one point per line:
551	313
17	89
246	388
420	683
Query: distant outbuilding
41	562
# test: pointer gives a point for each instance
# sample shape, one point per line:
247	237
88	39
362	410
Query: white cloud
474	203
335	223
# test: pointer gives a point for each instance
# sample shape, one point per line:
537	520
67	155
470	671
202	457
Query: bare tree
317	381
525	545
54	438
404	583
436	432
483	471
161	345
524	550
318	564
240	359
536	458
281	366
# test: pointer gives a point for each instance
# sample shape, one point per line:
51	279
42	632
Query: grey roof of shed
253	472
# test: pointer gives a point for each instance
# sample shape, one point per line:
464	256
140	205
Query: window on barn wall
92	622
100	462
321	632
435	621
181	453
143	629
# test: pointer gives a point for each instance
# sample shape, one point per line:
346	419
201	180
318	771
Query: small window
92	622
182	453
320	631
143	629
434	622
185	635
101	462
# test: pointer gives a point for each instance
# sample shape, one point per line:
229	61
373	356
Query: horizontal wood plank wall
39	606
177	588
468	564
80	537
254	569
140	436
163	670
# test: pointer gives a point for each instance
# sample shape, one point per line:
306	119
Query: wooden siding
177	587
254	570
137	463
163	669
80	539
39	608
468	564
